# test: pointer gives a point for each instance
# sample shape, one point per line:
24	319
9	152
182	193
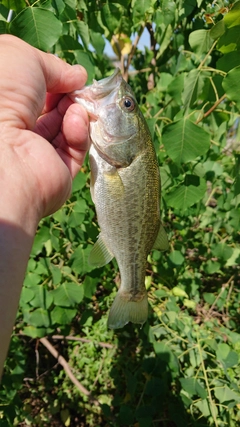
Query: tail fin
124	311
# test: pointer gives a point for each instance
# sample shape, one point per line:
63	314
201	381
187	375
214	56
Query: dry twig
131	54
68	371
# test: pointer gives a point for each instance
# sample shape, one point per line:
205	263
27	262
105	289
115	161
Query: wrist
18	203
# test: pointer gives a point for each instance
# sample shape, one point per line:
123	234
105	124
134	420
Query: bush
182	367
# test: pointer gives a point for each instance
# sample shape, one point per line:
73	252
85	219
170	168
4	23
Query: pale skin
44	139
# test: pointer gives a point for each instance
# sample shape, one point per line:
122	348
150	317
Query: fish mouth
91	97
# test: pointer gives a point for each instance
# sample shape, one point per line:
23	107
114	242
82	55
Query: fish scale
125	187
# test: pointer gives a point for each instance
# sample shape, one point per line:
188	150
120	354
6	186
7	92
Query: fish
125	188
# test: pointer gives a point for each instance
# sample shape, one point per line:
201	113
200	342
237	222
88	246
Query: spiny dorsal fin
99	255
161	242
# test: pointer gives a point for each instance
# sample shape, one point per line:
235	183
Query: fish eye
127	103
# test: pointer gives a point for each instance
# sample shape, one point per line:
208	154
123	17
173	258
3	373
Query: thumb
61	77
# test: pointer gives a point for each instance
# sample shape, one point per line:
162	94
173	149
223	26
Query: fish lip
104	87
90	96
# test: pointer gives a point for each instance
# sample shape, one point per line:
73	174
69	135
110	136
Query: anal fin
100	254
161	243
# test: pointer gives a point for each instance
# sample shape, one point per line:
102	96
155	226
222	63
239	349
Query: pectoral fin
99	255
161	242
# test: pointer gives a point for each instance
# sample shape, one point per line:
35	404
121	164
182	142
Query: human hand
43	141
44	136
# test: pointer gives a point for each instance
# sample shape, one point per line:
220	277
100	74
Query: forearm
17	229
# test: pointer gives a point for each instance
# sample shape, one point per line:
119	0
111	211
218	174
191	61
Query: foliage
182	367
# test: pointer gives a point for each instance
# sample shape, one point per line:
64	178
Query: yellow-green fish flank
125	187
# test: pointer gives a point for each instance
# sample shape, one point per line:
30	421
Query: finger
49	124
52	100
61	77
73	142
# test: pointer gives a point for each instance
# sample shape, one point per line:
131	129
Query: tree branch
211	109
131	54
68	371
153	43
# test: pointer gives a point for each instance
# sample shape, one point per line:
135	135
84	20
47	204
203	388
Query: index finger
52	100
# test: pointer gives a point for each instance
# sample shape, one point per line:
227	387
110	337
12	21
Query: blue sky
144	41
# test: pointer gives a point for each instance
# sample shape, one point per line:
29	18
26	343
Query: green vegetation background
182	368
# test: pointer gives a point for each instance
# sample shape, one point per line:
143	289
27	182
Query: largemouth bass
125	188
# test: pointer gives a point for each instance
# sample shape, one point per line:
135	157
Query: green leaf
187	8
97	42
223	351
166	355
164	40
79	182
228	357
84	59
65	47
59	6
34	332
200	41
209	297
225	394
163	82
111	14
212	267
56	274
42	236
231	85
230	40
140	8
90	286
160	293
176	290
193	387
184	141
204	408
126	415
79	260
38	27
75	219
16	5
42	297
222	251
217	30
68	294
62	315
175	88
32	279
193	87
3	26
176	258
27	295
235	257
232	18
80	206
168	11
83	31
39	317
186	195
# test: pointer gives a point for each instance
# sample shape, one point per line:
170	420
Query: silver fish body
125	187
